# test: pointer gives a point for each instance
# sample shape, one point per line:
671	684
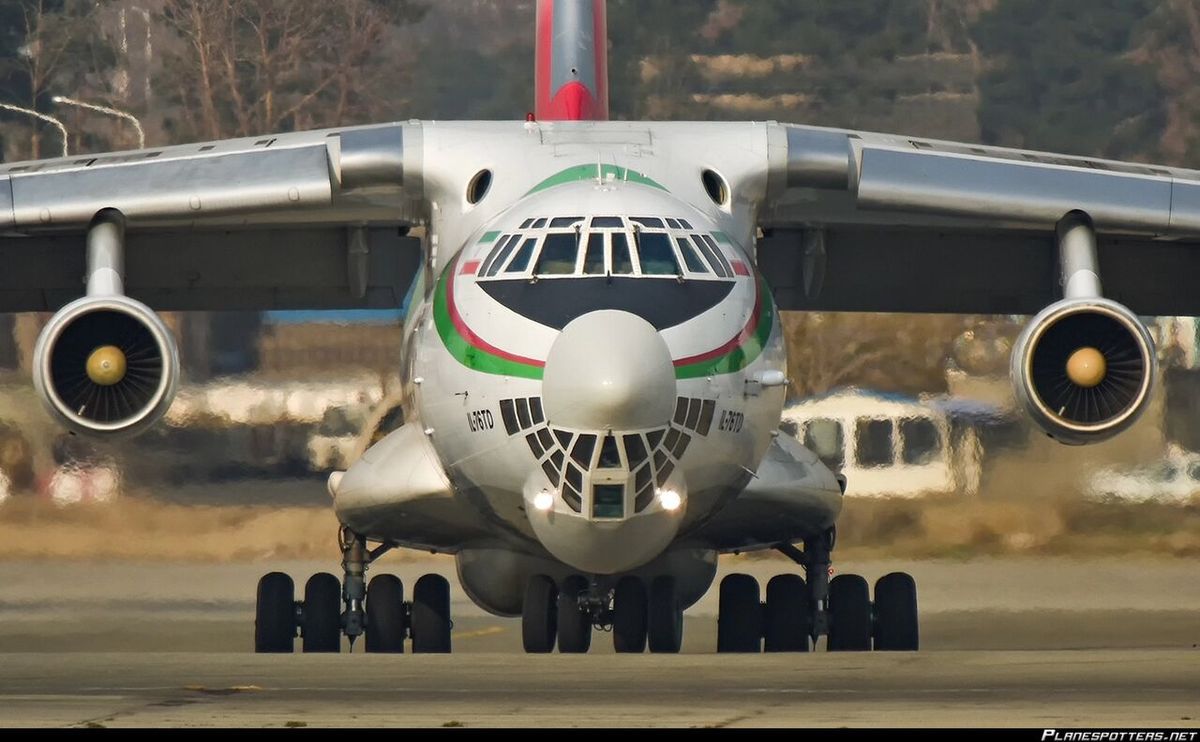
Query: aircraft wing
856	221
307	220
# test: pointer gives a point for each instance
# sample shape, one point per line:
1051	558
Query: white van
887	446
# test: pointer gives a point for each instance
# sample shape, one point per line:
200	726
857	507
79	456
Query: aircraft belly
427	524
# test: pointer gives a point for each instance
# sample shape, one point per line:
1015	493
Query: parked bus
887	445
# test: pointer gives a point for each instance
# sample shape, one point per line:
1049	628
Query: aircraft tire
574	625
629	615
787	616
322	629
896	626
739	615
385	628
431	615
665	632
849	614
539	614
275	614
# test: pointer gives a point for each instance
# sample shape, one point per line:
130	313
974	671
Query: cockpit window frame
712	254
687	250
586	247
575	236
499	254
635	268
696	254
533	242
640	239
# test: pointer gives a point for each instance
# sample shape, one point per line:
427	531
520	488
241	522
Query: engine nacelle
106	366
1084	369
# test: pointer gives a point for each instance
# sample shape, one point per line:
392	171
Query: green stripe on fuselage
588	172
745	353
468	355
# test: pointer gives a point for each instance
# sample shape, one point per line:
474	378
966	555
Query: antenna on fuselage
624	171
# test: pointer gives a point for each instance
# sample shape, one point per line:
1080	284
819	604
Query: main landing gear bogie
797	612
784	622
331	609
319	621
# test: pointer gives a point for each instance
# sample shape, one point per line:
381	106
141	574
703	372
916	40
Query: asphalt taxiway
1005	642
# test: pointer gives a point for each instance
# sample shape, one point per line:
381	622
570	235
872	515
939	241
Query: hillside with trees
1096	77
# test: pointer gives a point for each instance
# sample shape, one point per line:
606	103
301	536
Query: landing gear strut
352	608
354	586
797	611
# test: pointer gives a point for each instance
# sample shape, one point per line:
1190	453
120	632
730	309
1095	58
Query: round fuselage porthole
715	187
478	187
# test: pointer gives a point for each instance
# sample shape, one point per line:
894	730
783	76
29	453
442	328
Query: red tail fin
572	60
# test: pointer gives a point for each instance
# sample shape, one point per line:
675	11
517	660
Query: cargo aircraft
593	359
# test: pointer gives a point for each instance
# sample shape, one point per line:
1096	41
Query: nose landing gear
331	609
629	619
539	615
665	625
636	616
575	616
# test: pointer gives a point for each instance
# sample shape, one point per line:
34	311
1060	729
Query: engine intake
106	365
1084	369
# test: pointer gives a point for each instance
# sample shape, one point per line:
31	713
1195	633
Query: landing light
543	500
669	499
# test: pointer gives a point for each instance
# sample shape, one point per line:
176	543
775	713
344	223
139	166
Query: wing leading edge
873	222
306	220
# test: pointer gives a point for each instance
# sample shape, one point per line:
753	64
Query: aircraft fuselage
592	373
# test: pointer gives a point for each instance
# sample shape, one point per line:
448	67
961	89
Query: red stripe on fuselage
746	333
470	336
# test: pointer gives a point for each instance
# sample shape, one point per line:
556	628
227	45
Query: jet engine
106	365
1084	368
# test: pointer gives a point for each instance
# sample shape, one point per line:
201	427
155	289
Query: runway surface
1004	642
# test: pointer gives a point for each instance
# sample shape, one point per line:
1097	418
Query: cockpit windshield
657	256
559	253
563	246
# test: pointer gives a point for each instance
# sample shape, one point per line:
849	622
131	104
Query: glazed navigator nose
609	370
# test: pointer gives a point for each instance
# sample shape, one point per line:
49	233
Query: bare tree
55	47
890	352
254	66
1171	42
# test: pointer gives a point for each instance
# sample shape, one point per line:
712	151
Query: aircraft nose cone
609	370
